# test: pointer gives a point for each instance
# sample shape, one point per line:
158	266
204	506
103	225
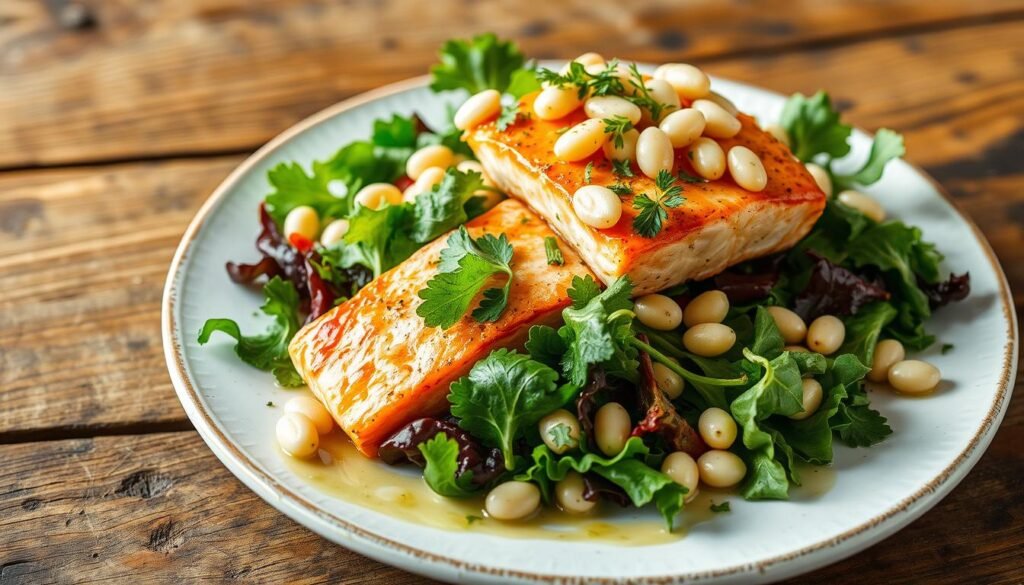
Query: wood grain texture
166	77
84	251
163	507
83	258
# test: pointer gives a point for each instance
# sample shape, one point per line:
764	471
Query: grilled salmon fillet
376	366
720	223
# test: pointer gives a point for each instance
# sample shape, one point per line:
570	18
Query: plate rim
362	539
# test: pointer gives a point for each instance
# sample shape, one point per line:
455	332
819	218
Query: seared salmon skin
376	366
718	225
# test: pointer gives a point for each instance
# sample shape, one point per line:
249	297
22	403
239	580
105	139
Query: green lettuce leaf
267	351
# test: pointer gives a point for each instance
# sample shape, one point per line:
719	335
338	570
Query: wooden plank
161	78
83	257
157	507
162	507
82	274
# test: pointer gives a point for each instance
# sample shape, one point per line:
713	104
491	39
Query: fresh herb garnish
466	266
688	178
485	62
643	97
269	350
441	472
603	82
587	172
504	396
554	253
622	168
719	508
620	189
617	126
653	212
946	348
560	436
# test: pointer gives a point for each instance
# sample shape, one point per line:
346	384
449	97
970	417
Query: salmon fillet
376	366
719	225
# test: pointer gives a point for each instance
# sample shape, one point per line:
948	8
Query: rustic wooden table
118	118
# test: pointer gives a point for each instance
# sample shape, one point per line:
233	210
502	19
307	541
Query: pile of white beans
426	167
299	429
651	144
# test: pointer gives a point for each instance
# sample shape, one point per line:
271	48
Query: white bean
334	232
628	149
826	334
611	428
723	102
718	122
914	377
478	109
887	353
821	177
424	184
302	221
560	431
610	106
658	312
708	307
689	82
863	203
297	435
682	469
721	468
747	169
312	409
671	383
654	152
587	60
376	195
707	158
597	206
553	103
569	494
435	155
512	500
581	141
791	325
717	428
811	398
709	339
663	93
683	126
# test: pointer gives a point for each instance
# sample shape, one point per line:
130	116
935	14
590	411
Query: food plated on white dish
582	288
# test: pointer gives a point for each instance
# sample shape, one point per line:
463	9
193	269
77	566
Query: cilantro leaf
269	350
591	337
545	346
444	207
466	266
582	290
622	168
553	252
504	396
560	436
653	212
814	128
485	62
441	472
509	116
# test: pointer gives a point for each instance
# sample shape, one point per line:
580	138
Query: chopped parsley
510	114
588	172
719	508
946	348
643	97
688	178
467	265
553	252
603	82
622	168
620	189
617	126
653	212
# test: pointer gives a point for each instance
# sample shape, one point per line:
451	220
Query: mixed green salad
531	416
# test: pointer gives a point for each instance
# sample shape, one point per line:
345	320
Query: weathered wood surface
84	250
161	507
135	79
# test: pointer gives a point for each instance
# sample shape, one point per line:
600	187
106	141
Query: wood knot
144	484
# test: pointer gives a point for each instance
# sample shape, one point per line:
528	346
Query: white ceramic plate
877	491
